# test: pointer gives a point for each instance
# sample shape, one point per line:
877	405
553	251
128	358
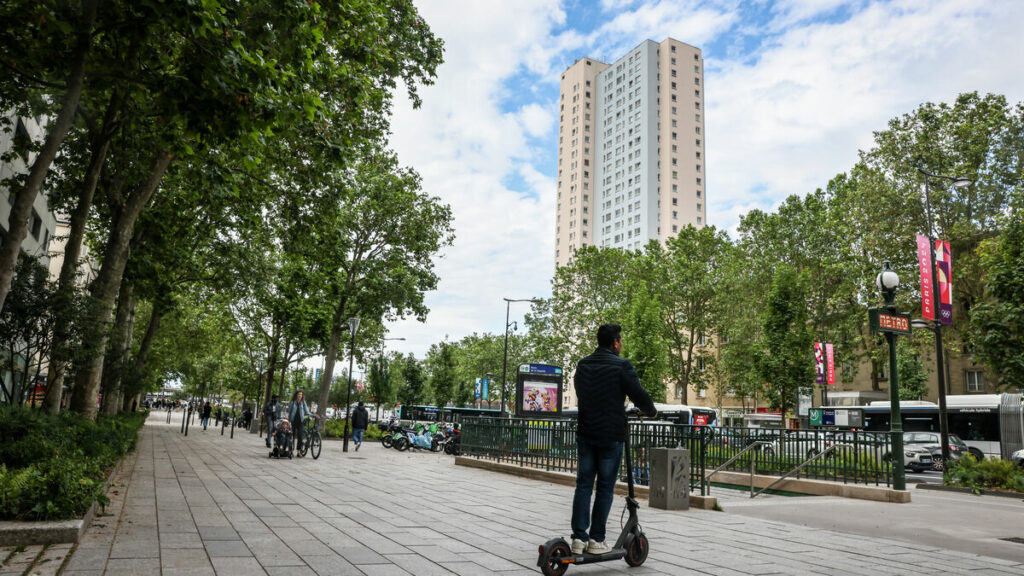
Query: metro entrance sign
882	320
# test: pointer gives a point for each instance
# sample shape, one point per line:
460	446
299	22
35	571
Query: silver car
1018	458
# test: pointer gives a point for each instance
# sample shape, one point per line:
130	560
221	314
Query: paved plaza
208	504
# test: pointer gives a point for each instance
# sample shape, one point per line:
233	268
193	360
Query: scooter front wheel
636	553
550	561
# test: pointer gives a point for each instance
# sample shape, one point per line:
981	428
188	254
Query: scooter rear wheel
387	440
551	564
636	554
402	444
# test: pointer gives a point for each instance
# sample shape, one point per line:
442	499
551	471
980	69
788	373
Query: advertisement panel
830	360
945	264
819	363
539	390
924	260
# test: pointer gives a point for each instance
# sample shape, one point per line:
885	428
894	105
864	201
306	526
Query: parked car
1018	458
932	441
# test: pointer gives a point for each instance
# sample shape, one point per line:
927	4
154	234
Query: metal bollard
670	479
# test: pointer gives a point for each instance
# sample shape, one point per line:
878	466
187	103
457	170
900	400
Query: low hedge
336	429
987	474
53	465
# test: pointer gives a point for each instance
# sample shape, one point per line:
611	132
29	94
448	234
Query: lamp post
504	366
936	328
887	281
353	324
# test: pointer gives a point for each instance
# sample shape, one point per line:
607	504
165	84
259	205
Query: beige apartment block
631	159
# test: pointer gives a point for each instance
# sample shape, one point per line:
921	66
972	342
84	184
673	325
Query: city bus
990	424
451	413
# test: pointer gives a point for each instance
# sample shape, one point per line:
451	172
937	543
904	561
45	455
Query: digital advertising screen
539	390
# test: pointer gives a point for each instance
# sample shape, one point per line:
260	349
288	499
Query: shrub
53	465
990	473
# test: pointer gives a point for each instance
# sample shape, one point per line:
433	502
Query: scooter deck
587	558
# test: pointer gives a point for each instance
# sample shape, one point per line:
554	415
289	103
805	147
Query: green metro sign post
892	323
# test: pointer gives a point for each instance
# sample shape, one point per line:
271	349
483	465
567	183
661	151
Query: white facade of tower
631	149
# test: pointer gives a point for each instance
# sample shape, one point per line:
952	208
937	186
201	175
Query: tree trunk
115	361
284	368
138	365
271	365
104	290
18	221
60	356
332	357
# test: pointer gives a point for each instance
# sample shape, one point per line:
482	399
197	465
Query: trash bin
670	479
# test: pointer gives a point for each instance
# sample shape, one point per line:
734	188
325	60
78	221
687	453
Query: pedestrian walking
360	420
207	409
603	381
271	413
297	412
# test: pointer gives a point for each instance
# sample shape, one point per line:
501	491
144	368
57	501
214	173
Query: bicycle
313	442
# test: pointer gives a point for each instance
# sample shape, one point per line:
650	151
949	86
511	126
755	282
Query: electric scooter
556	554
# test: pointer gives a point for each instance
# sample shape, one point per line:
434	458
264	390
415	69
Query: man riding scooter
603	380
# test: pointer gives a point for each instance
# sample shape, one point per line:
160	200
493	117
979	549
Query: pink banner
924	260
830	355
944	261
819	363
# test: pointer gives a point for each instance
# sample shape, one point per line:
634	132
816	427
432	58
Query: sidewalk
207	504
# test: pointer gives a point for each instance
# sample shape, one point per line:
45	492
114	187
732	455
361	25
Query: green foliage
414	392
53	465
441	363
913	380
334	428
997	323
988	474
784	364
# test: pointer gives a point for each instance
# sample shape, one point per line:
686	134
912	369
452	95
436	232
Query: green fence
859	458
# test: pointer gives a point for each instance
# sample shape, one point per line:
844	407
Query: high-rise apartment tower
630	149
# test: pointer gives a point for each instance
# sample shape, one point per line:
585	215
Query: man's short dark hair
608	334
273	397
360	403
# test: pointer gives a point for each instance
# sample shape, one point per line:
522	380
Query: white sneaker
596	547
578	546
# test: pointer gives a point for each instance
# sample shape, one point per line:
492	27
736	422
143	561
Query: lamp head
887	281
962	182
353	325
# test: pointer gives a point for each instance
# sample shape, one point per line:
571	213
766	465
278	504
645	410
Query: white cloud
781	119
795	116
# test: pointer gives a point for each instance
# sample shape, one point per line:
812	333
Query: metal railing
796	470
756	445
857	458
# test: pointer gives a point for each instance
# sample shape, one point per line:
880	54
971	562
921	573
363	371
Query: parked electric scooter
556	555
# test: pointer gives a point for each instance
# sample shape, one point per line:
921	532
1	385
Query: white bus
990	424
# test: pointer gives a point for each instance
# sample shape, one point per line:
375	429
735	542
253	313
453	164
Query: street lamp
353	325
887	281
504	366
937	327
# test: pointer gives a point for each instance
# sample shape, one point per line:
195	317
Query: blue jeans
600	459
357	435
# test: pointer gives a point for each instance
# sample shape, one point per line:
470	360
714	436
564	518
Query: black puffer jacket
602	382
360	417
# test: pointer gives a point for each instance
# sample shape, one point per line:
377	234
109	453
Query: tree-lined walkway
207	504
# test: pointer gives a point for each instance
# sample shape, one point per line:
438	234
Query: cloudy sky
793	89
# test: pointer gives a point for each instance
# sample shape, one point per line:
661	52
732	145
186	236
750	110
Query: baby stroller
282	440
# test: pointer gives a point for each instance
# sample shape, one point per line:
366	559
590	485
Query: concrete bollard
670	479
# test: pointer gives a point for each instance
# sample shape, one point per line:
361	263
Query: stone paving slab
209	504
